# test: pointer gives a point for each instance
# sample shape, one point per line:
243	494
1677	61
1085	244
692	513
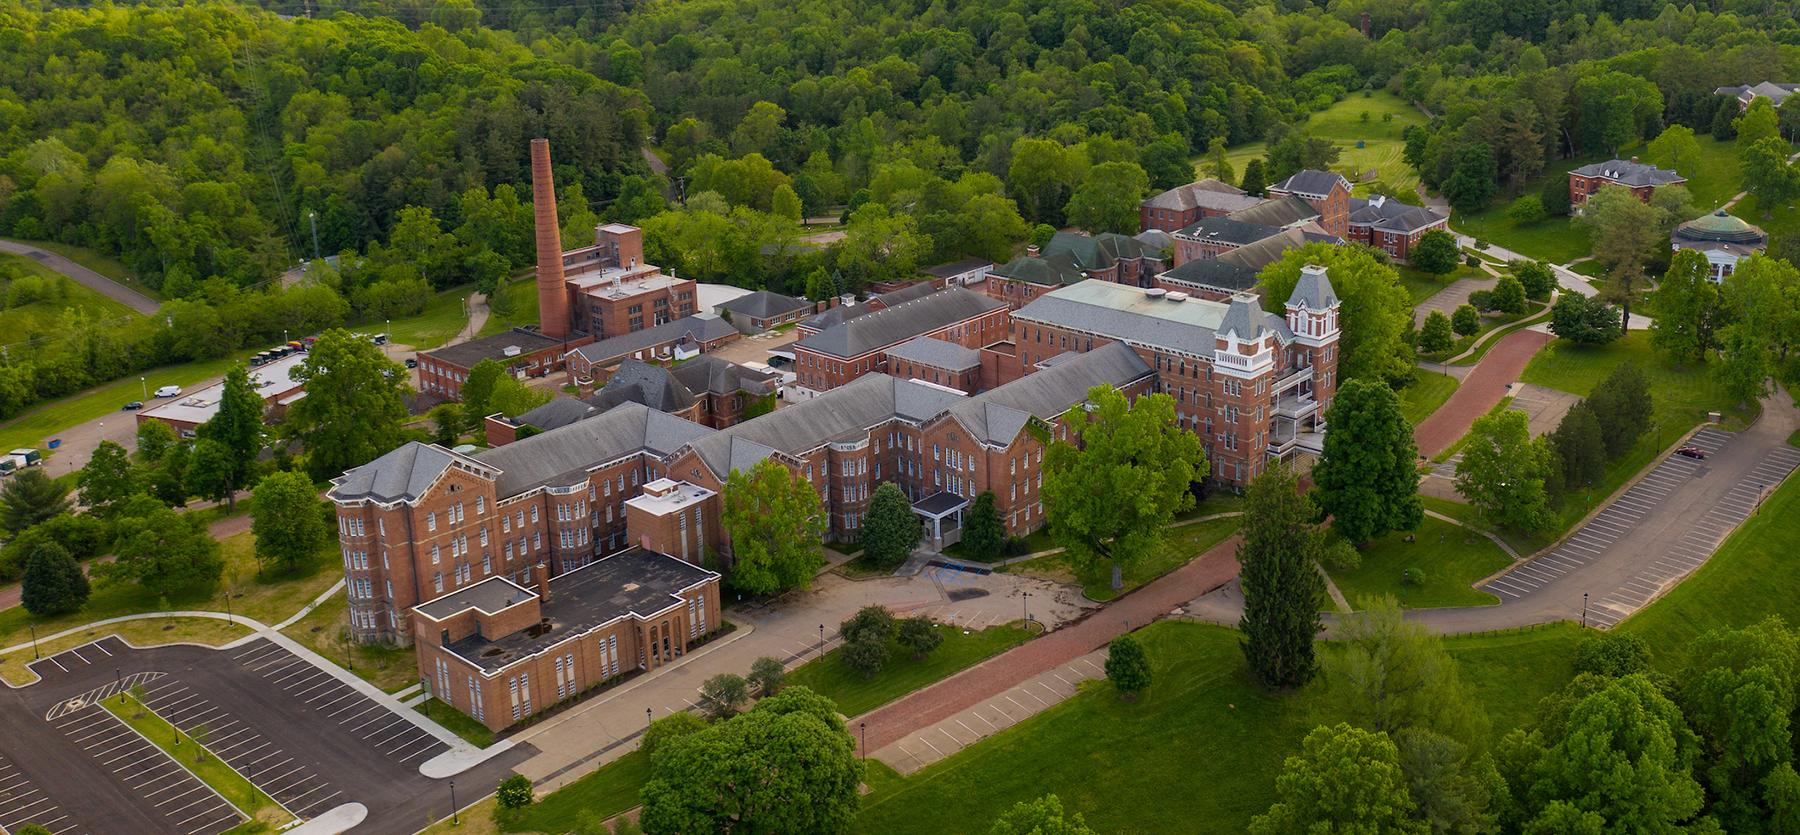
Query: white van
169	391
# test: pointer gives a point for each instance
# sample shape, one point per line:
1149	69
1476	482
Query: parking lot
1654	534
308	740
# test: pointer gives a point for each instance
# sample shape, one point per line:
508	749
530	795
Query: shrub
1465	321
1341	556
1127	667
767	674
724	693
514	792
871	622
866	655
920	635
1526	210
1472	261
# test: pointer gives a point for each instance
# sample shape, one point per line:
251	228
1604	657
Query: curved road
84	276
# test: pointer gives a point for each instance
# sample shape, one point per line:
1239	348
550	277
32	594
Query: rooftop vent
1156	292
1178	296
512	350
630	587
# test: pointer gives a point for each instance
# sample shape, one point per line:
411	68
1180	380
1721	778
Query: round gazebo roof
1719	226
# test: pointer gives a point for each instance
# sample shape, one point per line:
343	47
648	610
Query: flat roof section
271	380
633	582
491	595
498	347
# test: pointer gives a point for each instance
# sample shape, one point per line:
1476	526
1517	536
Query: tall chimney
543	583
553	299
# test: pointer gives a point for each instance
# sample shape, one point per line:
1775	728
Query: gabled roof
637	381
557	414
563	456
700	327
402	475
1630	173
496	347
1213	273
893	325
936	353
1312	183
997	415
843	413
845	312
1042	271
1280	213
1138	316
1228	230
957	267
1098	252
1389	215
1776	93
1255	256
763	304
1203	194
716	376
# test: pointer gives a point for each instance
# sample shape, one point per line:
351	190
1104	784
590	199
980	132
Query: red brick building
705	389
670	342
1391	226
1253	385
1327	193
1186	205
937	362
1070	257
858	346
524	351
1640	179
502	651
422	521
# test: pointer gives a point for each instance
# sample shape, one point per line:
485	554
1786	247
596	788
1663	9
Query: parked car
412	363
1692	452
169	391
133	406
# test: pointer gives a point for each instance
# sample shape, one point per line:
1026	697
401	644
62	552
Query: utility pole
314	218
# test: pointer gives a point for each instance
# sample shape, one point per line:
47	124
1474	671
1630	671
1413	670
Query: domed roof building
1722	238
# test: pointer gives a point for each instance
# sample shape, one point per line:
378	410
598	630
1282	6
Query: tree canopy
1367	477
777	528
1374	314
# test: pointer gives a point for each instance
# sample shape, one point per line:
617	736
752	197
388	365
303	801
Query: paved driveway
1479	391
84	276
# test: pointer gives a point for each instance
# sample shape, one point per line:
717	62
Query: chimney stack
553	299
1031	250
543	583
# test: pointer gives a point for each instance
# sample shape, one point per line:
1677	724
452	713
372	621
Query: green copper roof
1719	226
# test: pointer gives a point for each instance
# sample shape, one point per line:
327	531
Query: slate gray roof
841	413
1098	252
996	416
1203	194
844	313
404	474
467	354
716	376
1313	291
700	327
1214	273
1155	239
899	323
1244	318
1630	173
1776	93
1137	316
557	413
1311	182
1255	256
1042	271
763	304
936	353
563	456
637	381
1280	213
1391	215
1227	230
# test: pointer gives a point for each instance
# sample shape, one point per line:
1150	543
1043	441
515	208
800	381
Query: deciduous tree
286	520
724	694
238	426
767	674
777	529
1687	306
1367	476
354	406
1127	666
1623	753
1435	336
1769	175
920	635
1113	485
1627	232
1465	321
1436	252
1537	277
1344	779
1397	675
1587	320
1374	312
163	551
107	478
891	530
1043	816
1503	471
1281	583
1108	198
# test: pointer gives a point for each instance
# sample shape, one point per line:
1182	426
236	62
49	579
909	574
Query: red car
1692	452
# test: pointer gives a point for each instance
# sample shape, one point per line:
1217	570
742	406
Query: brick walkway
1483	388
970	687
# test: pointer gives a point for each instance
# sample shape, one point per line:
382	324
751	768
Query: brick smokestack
553	300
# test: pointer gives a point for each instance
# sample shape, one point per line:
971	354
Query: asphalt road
307	741
84	276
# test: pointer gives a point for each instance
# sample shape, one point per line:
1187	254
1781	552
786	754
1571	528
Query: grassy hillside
1342	124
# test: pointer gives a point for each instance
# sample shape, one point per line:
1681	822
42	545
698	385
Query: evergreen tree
1127	666
1282	587
30	497
1253	182
1579	446
1367	476
1622	404
891	530
984	534
53	582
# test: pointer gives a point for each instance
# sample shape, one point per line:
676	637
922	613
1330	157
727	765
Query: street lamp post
1026	605
34	649
119	685
864	727
1584	608
454	820
647	719
821	640
144	382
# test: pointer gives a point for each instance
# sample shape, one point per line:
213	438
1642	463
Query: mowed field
1380	157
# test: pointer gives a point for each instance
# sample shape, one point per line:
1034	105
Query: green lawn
1781	221
1201	746
519	301
1555	239
856	695
1499	332
457	722
1185	543
1422	285
1682	397
442	318
609	790
326	631
1425	394
231	785
1450	557
1753	575
1522	544
1719	176
19	324
41	423
1342	124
